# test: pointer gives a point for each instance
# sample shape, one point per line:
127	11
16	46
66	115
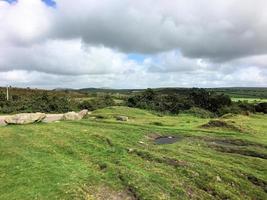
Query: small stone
122	118
130	150
218	178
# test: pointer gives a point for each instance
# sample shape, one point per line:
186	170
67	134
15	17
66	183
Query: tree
2	96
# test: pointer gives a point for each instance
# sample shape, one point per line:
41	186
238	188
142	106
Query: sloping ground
101	158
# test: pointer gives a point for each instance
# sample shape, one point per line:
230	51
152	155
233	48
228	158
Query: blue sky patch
51	3
137	57
10	1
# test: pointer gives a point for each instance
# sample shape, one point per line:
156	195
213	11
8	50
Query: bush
234	109
37	103
97	103
245	106
209	100
261	107
173	102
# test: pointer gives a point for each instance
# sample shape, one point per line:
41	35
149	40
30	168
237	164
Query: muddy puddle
167	139
237	147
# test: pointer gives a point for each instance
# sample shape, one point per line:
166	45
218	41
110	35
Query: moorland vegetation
199	101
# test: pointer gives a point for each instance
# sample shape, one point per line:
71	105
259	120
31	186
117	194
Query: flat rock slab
53	118
28	118
25	118
2	120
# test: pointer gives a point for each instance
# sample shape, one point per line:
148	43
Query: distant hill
238	92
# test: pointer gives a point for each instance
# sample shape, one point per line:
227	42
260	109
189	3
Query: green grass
250	100
96	158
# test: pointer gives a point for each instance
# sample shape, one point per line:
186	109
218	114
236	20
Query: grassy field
101	158
249	100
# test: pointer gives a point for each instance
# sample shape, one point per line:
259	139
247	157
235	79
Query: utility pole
7	93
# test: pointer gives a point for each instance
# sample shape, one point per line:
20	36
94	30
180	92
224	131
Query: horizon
106	88
133	45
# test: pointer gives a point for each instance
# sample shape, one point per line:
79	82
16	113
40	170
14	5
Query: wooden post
7	93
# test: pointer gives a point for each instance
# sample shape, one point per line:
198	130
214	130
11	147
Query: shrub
261	107
173	102
234	108
97	103
245	106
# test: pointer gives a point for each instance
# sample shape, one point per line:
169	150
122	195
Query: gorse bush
209	100
46	103
261	107
50	102
170	103
37	103
199	102
173	102
97	103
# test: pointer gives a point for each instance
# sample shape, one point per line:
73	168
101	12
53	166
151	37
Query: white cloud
86	43
64	57
24	22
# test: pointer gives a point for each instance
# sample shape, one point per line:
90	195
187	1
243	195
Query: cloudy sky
133	43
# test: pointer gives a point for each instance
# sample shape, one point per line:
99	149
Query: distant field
250	100
257	93
101	158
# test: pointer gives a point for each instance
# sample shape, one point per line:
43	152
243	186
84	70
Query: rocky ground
28	118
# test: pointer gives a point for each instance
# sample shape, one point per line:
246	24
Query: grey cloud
85	43
216	30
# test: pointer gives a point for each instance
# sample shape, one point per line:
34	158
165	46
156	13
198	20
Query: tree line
202	101
175	102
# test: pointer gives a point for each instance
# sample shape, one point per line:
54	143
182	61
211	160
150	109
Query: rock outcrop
2	121
25	118
74	115
71	116
53	118
83	113
28	118
122	118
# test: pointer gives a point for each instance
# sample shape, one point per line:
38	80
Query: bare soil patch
223	124
237	147
258	182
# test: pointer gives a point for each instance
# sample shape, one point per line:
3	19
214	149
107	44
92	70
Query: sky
133	44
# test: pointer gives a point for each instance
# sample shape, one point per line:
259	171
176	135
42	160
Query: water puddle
167	139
